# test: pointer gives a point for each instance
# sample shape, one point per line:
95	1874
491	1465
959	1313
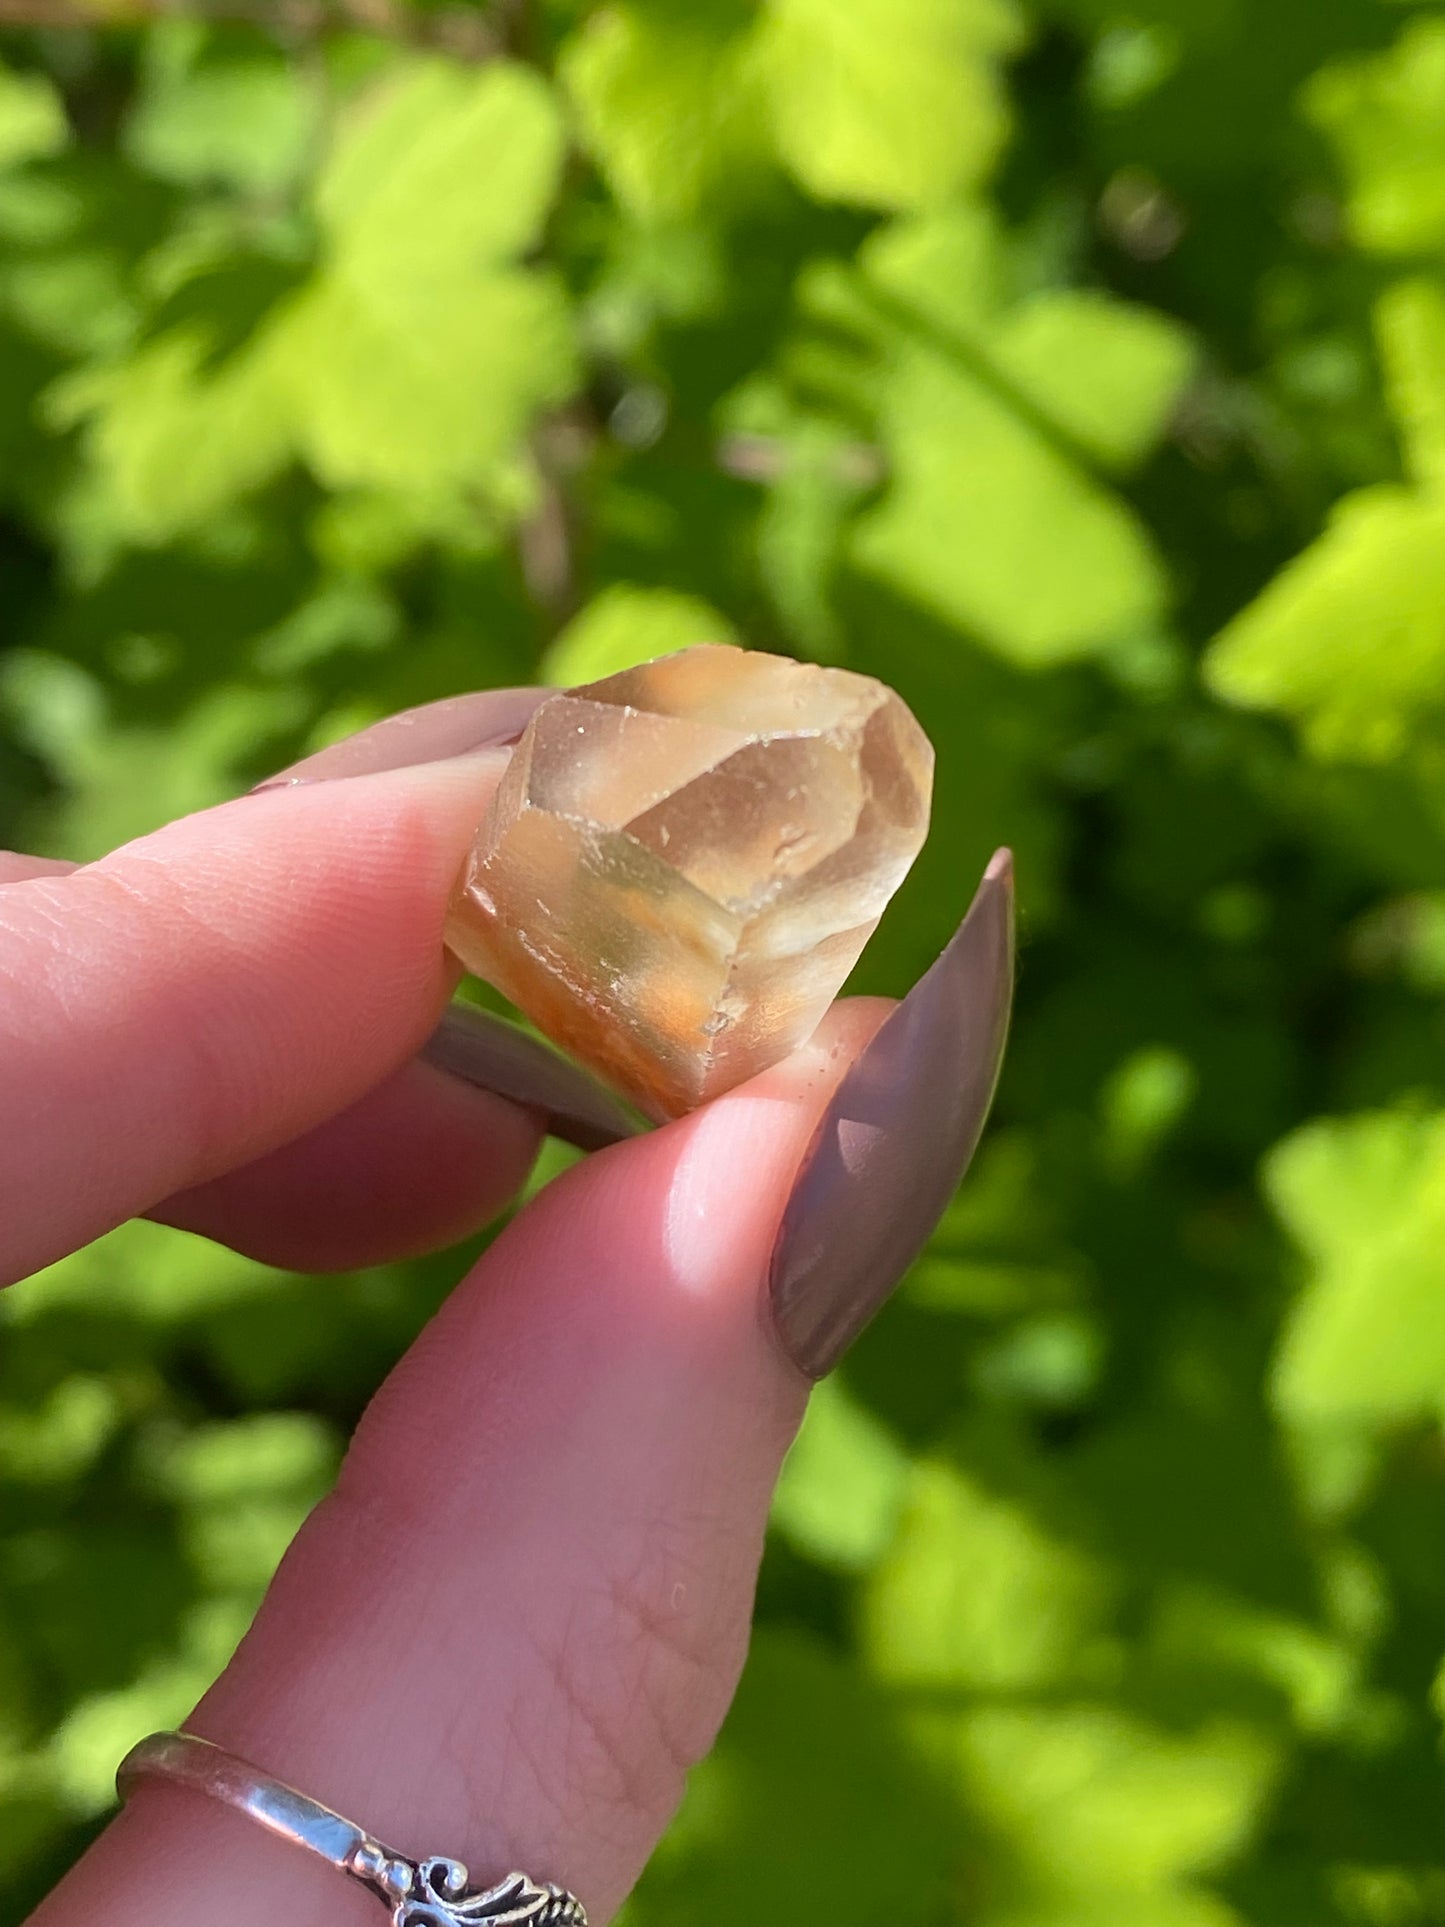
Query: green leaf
63	1437
247	122
270	1453
626	625
668	104
412	362
1107	373
172	441
1349	639
809	1809
997	1250
123	782
802	529
990	412
73	300
1101	373
991	527
244	1489
1106	1816
889	103
948	267
1365	1199
100	1730
439	170
423	389
1143	1103
886	103
31	1818
975	1592
419	356
343	616
1410	326
843	1484
1386	116
32	118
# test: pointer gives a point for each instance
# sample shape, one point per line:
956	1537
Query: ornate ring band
418	1893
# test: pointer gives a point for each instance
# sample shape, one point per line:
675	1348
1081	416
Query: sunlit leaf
976	1592
1106	373
887	102
1410	321
422	388
247	122
98	1733
627	625
1349	640
1109	1817
32	118
668	103
843	1484
1365	1197
810	1802
437	170
991	520
173	442
1386	116
991	527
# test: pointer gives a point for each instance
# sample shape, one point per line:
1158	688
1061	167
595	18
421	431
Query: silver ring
418	1893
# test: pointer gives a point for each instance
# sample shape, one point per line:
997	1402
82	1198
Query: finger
455	726
415	1165
16	868
521	1615
428	1157
208	993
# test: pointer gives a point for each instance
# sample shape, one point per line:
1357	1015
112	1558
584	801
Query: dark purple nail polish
495	1056
486	719
896	1139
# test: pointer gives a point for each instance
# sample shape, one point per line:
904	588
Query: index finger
17	868
214	990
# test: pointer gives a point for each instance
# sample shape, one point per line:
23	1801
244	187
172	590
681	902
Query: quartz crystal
683	862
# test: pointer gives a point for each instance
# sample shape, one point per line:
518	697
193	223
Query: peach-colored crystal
683	862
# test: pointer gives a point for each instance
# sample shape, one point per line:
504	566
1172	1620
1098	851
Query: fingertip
430	733
733	1160
659	1245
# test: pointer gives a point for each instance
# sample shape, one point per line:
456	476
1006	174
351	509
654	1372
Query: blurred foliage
1078	366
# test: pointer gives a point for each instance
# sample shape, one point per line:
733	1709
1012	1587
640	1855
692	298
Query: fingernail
896	1139
495	1056
486	719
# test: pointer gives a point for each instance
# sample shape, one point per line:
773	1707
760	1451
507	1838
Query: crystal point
684	861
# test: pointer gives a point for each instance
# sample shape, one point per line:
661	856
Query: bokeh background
1079	367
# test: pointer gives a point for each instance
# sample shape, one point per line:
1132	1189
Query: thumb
520	1617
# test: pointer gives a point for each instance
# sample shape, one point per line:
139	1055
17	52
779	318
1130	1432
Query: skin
516	1622
169	1019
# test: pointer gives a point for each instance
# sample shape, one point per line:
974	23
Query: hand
522	1613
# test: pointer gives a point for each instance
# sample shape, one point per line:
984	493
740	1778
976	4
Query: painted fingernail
486	719
494	1055
896	1139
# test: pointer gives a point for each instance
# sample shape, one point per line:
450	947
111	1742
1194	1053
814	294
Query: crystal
684	861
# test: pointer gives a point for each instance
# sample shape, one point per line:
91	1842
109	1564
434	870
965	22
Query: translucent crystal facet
683	862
